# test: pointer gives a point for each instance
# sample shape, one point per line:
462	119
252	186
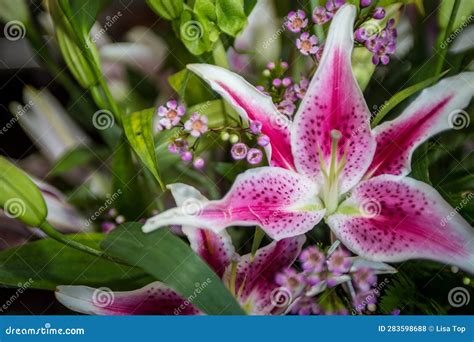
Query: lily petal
437	109
253	105
376	267
153	299
214	248
255	278
282	202
392	219
334	101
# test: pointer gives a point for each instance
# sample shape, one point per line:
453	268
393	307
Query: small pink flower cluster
381	44
298	23
284	92
169	116
241	151
321	271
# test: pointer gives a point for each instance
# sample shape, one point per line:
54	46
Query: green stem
49	230
447	32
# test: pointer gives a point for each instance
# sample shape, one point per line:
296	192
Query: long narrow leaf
172	261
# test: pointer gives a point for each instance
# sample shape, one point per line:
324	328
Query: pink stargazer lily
250	280
329	164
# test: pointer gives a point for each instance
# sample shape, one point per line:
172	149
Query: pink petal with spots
282	202
437	109
255	281
251	104
402	219
215	248
334	101
153	299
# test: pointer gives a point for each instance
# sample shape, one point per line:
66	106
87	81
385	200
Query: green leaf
138	128
231	17
362	66
206	9
194	31
249	5
19	196
461	20
126	182
172	261
46	263
214	110
83	13
402	95
74	41
417	3
420	164
75	158
168	9
189	87
257	240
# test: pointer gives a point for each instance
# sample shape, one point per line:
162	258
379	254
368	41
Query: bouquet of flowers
230	157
